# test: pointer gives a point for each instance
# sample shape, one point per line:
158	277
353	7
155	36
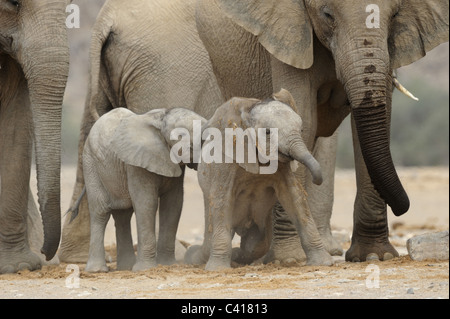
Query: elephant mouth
284	158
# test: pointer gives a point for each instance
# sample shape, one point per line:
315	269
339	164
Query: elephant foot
166	259
96	266
215	264
319	257
14	261
332	245
126	262
194	256
73	254
240	256
286	251
75	237
362	251
144	265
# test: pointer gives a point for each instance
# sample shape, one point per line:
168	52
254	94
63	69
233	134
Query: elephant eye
327	14
14	3
395	15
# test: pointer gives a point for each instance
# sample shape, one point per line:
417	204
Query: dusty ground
428	189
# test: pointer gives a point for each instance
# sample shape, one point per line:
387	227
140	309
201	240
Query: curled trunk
300	153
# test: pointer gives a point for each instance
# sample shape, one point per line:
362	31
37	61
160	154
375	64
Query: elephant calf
239	199
128	166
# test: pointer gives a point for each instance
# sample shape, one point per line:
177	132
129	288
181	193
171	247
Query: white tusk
294	165
402	89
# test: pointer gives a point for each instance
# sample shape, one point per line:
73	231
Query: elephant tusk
294	165
402	89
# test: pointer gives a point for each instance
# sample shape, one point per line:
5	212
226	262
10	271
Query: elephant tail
101	31
74	209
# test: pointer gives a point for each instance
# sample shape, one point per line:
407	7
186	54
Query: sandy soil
428	189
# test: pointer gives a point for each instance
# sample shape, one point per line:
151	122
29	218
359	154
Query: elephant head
278	112
367	43
150	140
33	34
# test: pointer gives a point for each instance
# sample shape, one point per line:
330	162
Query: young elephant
239	199
128	166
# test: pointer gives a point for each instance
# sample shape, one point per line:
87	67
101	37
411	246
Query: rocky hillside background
420	130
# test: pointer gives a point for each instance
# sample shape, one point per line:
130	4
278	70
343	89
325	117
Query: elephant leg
254	244
285	247
15	167
321	197
75	234
144	192
220	226
145	221
170	206
34	227
124	241
99	220
221	249
199	254
295	202
370	239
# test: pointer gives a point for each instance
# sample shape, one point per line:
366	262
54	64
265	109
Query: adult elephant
336	58
34	65
144	55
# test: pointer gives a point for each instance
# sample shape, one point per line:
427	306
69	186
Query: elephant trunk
300	153
44	57
368	82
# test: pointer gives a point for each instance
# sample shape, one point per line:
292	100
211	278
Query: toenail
388	256
372	256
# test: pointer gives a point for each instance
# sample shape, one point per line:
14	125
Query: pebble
429	246
344	281
84	294
410	291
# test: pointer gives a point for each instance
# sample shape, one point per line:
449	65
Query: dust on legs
218	263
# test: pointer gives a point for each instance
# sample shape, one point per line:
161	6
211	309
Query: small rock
429	246
410	291
84	294
344	281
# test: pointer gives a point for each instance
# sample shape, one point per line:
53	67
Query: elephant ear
138	141
283	27
419	26
234	114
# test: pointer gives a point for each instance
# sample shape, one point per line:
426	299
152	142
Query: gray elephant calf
238	198
128	166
